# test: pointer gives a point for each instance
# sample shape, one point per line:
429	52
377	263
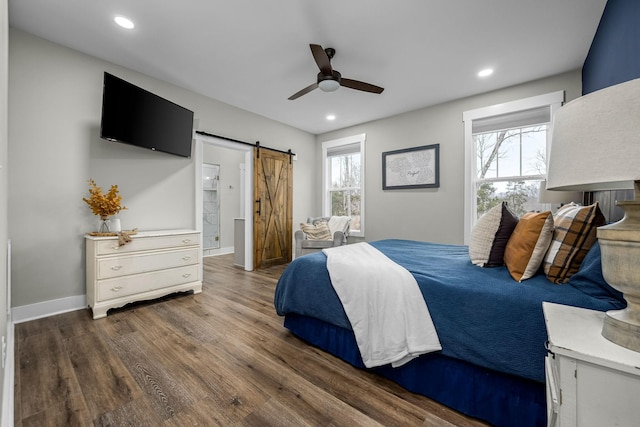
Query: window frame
326	185
552	100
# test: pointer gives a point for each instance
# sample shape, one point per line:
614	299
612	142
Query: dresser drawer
143	243
139	263
139	283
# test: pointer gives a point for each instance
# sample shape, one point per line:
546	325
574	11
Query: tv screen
138	117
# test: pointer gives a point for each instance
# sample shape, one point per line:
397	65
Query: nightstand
590	380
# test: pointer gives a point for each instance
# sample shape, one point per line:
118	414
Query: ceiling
255	54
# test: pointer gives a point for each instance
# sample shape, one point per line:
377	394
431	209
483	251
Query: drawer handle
185	275
186	258
116	288
115	248
186	241
116	267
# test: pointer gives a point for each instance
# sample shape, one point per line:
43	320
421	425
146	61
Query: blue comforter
482	315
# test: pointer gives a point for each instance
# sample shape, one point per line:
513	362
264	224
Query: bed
491	327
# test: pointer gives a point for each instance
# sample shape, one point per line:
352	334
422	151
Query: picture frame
416	167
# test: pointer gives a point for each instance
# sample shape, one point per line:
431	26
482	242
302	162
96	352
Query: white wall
434	215
55	98
5	380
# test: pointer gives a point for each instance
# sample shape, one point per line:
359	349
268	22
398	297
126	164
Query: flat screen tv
138	117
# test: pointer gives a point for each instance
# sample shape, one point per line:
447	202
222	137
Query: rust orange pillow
528	244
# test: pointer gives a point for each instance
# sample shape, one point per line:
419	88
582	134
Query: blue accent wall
614	56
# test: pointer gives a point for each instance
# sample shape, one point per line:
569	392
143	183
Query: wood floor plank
208	364
136	413
70	412
219	358
167	395
204	414
202	365
275	414
104	380
46	375
75	323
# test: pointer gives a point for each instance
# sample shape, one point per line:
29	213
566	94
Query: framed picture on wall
417	167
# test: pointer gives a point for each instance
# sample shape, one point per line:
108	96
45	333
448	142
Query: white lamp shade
596	141
557	197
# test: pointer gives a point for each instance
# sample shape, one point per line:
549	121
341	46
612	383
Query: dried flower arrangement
104	205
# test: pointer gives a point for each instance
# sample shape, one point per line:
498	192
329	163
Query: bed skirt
500	399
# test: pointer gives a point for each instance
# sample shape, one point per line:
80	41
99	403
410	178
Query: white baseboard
38	310
216	252
8	383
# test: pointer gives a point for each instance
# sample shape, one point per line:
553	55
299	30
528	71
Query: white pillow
490	235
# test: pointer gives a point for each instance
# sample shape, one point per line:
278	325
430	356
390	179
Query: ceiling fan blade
321	59
355	84
303	91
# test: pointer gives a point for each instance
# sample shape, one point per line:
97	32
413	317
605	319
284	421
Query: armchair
339	230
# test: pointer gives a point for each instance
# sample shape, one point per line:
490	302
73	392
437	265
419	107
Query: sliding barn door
273	191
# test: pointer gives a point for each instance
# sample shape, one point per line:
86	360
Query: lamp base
621	330
620	246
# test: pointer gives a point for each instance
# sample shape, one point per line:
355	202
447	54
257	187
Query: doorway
246	183
267	202
210	207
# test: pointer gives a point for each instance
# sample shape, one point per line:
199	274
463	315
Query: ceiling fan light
328	85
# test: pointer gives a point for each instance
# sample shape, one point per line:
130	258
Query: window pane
345	171
487	165
509	155
347	203
512	153
534	149
521	196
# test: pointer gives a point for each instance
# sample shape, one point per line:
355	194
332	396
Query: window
343	180
506	149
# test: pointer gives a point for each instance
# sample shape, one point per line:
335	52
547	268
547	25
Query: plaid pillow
573	236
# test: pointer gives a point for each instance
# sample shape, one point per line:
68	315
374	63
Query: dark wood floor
218	358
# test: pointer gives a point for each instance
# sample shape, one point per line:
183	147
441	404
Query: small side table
590	380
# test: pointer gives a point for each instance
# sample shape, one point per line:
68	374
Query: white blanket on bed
383	302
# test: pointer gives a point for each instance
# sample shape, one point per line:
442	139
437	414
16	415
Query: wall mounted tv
138	117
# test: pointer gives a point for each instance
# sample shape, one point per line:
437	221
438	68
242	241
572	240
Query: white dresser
153	264
590	380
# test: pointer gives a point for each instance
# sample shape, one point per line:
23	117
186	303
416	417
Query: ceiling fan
329	79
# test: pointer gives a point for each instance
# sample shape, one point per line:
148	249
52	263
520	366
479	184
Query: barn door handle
259	202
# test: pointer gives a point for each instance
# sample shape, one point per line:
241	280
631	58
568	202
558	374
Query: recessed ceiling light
486	72
124	22
331	117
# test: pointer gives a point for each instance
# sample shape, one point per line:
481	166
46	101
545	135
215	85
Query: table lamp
557	197
596	146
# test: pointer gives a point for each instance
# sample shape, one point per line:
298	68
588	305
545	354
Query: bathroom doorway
235	194
210	206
